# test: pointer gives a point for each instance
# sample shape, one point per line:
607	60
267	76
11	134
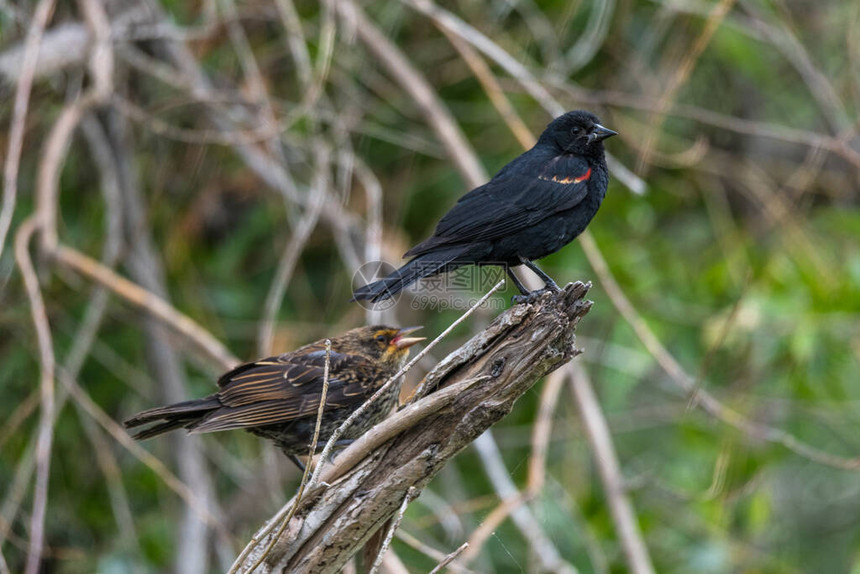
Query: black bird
534	206
278	398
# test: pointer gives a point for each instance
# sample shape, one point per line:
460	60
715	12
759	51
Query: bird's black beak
402	342
600	133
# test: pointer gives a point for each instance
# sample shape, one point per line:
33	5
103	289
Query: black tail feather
422	266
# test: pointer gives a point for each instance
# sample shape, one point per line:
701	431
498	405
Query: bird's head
380	342
577	132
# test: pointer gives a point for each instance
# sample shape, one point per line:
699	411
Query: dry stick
411	493
551	322
606	459
295	40
25	465
117	495
373	229
542	433
449	558
401	420
18	486
148	302
254	82
19	115
45	221
102	155
306	473
363	408
57	144
442	558
46	385
325	54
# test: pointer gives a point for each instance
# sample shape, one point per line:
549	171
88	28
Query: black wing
284	388
512	201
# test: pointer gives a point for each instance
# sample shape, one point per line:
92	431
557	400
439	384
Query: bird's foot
534	295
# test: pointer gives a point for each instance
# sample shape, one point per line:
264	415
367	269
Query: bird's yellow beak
402	342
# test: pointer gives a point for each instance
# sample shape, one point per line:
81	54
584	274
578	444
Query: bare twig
542	432
46	386
606	459
19	115
449	558
431	552
389	536
293	250
305	474
24	409
491	87
147	302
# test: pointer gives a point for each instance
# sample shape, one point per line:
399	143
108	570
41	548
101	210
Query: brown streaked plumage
277	398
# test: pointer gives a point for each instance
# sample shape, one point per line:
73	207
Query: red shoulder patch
567	180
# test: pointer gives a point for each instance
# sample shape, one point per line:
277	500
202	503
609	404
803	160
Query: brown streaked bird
278	398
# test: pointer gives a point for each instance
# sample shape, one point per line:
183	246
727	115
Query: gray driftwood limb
463	396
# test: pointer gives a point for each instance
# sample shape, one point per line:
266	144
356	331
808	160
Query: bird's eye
381	338
575	130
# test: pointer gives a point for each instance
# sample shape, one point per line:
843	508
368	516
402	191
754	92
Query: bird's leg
550	284
338	446
295	460
516	280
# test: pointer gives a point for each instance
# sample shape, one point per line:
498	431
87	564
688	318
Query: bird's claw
534	295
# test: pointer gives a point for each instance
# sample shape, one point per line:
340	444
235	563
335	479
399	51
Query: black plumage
534	206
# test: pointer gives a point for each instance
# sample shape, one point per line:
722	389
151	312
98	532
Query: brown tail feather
171	417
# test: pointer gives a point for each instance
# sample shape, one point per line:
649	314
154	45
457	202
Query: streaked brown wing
283	388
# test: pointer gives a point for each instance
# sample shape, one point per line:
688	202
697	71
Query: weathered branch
477	385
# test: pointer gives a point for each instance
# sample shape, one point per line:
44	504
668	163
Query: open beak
401	341
600	133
